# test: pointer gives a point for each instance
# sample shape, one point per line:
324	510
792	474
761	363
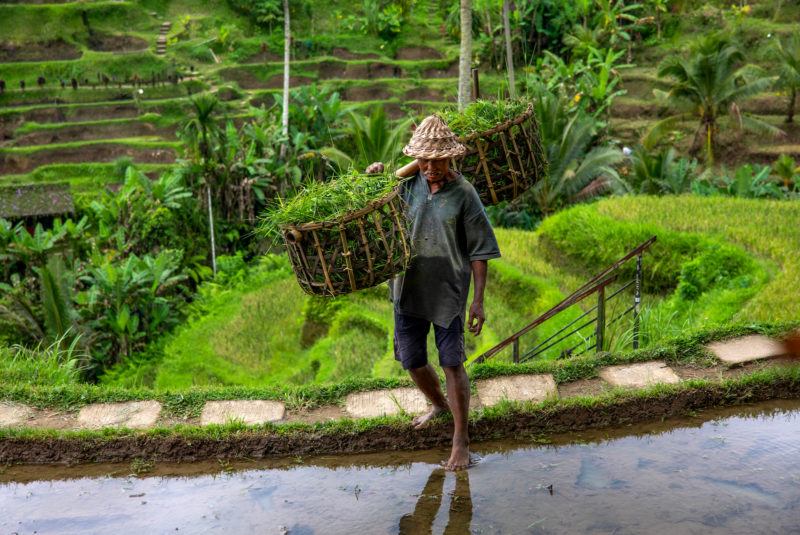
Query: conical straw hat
433	140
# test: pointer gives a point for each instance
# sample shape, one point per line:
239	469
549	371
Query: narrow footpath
737	357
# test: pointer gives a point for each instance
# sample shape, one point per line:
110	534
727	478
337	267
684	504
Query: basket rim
524	116
346	218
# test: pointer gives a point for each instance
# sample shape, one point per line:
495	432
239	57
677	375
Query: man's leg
452	355
428	382
410	348
458	395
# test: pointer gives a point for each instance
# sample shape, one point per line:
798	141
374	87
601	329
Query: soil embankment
188	445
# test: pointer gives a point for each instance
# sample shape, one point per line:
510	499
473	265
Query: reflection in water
429	502
725	472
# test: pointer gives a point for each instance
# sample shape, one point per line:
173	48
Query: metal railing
598	284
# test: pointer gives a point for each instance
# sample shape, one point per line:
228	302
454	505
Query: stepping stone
12	414
250	412
639	375
379	402
134	414
537	387
746	349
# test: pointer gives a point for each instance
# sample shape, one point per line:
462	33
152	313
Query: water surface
729	471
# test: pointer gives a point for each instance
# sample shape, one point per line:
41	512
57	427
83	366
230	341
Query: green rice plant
767	228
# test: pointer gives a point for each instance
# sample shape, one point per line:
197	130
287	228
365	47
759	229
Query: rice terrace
399	266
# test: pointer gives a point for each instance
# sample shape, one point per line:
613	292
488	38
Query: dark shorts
411	347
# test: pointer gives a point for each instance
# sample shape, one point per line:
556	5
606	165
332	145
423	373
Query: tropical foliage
705	87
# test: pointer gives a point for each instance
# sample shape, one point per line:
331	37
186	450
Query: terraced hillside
110	80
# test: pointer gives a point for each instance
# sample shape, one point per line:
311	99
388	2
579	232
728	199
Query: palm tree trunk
465	55
287	36
211	231
490	33
658	24
710	142
512	92
792	104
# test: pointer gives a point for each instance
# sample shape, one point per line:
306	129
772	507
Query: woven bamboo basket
505	160
359	250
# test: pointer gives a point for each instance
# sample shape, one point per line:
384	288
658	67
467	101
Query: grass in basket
325	201
482	115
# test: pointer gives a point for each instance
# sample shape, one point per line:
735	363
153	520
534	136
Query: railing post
637	297
601	318
516	351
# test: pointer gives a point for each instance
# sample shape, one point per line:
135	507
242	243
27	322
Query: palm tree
509	52
375	138
706	86
203	135
465	55
287	38
578	168
789	70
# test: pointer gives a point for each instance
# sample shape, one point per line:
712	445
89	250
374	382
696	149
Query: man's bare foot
459	456
424	419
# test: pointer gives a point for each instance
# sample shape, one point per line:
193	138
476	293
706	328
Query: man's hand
476	317
374	167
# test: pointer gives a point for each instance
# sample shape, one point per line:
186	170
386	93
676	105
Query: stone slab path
12	414
516	388
133	414
249	412
746	349
738	354
639	375
385	402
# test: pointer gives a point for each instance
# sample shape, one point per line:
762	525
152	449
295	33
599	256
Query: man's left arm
476	315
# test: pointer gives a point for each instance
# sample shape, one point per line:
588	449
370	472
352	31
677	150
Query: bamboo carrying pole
408	170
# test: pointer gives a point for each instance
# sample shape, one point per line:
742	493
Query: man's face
434	170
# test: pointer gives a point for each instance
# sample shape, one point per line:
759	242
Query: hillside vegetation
238	338
164	120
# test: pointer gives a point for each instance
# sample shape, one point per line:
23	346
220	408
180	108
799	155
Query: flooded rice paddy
727	471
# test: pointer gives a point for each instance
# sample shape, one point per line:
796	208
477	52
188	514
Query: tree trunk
512	90
211	231
287	36
490	33
792	104
465	56
658	24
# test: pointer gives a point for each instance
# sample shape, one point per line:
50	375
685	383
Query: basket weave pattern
505	160
357	251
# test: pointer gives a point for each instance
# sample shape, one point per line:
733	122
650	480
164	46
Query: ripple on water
731	471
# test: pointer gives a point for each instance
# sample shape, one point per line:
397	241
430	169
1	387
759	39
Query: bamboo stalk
323	264
379	228
365	243
509	159
347	260
406	254
483	159
408	170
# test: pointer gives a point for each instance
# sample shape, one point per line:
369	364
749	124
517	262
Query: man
452	240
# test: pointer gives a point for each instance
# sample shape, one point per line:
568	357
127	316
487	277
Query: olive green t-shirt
449	229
